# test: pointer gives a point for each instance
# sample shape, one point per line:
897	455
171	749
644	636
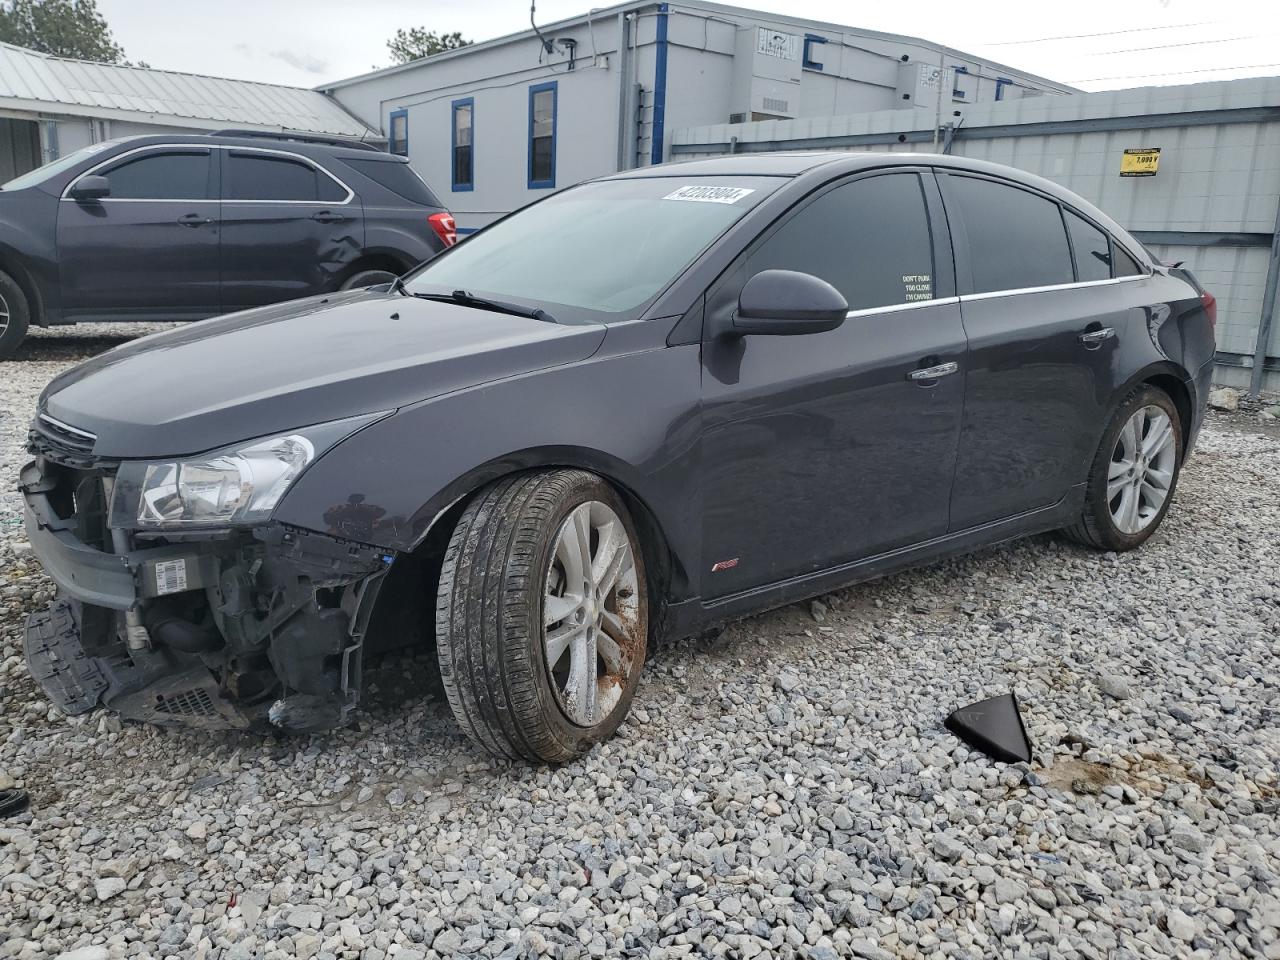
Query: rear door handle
1093	339
194	220
326	217
933	373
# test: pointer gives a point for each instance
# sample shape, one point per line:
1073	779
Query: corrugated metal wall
1213	202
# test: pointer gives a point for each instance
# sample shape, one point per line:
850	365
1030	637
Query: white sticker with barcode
171	577
710	194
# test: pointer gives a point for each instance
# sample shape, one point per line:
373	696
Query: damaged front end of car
180	601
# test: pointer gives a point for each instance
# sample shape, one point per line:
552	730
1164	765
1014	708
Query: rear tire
1134	473
367	278
542	615
15	316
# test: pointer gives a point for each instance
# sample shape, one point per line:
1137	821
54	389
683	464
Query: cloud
301	61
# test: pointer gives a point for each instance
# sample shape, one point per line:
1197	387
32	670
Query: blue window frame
1001	83
806	59
398	132
462	143
956	92
542	135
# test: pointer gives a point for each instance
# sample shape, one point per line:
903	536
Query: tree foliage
64	28
418	42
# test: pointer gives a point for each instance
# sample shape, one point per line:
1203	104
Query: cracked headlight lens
238	485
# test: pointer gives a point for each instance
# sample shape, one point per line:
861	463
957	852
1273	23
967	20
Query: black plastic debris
993	726
13	802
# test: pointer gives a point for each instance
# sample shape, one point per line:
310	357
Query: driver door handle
1094	338
933	373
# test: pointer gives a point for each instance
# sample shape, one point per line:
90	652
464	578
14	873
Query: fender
391	482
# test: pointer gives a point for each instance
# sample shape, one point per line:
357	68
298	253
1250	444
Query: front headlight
239	485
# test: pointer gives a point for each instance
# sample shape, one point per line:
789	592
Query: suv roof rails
332	141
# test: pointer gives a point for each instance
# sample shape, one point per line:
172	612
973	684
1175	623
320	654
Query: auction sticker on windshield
710	194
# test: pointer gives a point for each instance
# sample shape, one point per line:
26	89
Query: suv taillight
1210	308
445	226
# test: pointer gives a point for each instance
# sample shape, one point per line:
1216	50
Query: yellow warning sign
1142	162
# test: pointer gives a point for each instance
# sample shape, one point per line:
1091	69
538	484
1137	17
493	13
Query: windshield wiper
462	298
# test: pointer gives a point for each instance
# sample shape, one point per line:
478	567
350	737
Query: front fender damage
274	635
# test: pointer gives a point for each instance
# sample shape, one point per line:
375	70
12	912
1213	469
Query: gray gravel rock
790	793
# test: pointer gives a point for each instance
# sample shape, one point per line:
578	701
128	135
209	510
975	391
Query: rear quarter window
397	177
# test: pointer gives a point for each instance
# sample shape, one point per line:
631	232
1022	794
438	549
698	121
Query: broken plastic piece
993	726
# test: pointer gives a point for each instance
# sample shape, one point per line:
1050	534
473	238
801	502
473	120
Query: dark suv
188	227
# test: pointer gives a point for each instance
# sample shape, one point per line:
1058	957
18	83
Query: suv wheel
367	278
542	615
1134	473
14	316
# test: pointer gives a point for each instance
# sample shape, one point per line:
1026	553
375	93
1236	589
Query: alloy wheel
593	626
4	314
1142	469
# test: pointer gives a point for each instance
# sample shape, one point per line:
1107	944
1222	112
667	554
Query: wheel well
373	261
23	279
404	611
1181	397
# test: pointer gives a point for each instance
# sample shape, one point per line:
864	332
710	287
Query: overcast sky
308	42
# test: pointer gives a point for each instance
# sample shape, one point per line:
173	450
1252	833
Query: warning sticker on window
917	286
171	577
710	194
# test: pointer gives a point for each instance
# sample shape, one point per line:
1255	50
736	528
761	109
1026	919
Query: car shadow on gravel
63	347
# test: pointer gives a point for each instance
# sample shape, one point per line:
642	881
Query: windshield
601	251
40	174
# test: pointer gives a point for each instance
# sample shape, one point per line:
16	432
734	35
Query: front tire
1134	473
15	316
542	615
367	278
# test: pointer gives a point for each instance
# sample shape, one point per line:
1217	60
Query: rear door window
868	238
1091	247
161	176
1016	239
256	176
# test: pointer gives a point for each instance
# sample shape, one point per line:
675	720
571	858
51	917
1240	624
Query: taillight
445	226
1210	308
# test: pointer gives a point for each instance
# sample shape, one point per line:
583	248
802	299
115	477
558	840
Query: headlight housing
233	486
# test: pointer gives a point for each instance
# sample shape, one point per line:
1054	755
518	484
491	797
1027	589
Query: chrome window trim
1076	285
196	148
899	307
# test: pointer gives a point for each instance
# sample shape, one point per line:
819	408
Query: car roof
831	164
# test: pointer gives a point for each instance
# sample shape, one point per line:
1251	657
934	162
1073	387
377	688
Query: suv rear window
257	176
399	178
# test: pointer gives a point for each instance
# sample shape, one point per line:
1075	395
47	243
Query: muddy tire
15	316
542	615
1134	473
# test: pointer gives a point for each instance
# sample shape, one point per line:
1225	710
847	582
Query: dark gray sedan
642	406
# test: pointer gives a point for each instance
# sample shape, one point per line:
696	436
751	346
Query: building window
1001	83
957	93
807	61
400	132
463	120
542	135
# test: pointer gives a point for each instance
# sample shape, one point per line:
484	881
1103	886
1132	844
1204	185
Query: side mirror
90	188
785	302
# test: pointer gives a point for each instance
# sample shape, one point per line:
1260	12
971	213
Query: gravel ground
787	791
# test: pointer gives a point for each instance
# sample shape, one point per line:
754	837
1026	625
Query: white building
50	106
496	125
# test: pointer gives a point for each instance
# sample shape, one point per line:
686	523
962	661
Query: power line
1169	46
1106	33
1178	73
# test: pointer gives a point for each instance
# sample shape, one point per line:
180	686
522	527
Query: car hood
310	361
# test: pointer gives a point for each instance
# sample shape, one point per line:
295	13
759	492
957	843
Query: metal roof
52	85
